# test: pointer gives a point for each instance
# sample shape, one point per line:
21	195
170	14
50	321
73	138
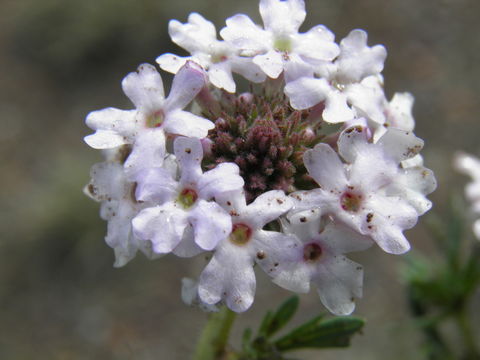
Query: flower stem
214	338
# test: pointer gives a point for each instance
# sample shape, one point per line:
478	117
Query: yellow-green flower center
283	44
155	120
187	198
240	234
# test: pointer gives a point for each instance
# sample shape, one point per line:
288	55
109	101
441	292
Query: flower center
187	198
266	138
312	252
218	58
283	44
350	201
240	234
155	120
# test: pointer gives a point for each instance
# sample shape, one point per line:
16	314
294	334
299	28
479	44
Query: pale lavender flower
279	47
470	165
187	220
319	259
145	127
350	85
219	58
110	186
355	192
229	275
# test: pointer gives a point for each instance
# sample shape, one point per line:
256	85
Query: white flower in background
155	115
185	212
263	177
219	58
279	46
229	275
118	206
470	165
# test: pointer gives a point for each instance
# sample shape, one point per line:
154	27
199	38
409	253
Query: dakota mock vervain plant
309	163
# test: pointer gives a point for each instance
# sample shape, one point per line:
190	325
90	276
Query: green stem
214	338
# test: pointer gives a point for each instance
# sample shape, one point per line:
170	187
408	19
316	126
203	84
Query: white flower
229	275
356	60
186	221
219	58
155	115
356	194
470	165
319	260
350	86
118	206
279	47
397	114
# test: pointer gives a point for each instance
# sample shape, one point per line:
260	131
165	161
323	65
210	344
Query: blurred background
60	297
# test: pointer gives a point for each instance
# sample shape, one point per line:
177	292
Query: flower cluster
470	165
311	163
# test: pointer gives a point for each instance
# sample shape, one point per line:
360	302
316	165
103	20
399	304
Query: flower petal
220	75
144	88
155	185
324	165
357	60
266	208
105	139
148	152
317	44
229	275
400	145
189	154
185	123
242	32
222	178
113	127
339	282
171	62
282	16
211	224
271	63
306	92
280	256
162	225
246	68
188	81
195	35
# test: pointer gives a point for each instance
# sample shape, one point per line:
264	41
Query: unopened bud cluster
311	163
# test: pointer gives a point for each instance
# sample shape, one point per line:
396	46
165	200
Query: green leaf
334	332
274	322
267	319
246	337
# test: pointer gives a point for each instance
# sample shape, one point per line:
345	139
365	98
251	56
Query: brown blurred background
60	297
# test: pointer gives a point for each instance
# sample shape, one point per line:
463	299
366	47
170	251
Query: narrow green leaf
304	328
246	337
282	316
334	332
265	325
